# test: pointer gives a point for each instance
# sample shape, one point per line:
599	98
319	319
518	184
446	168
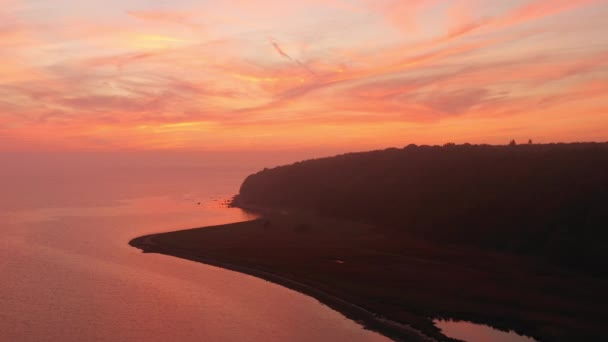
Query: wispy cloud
280	51
344	73
161	16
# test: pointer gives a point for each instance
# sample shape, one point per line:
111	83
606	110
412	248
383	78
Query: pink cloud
162	16
281	52
67	77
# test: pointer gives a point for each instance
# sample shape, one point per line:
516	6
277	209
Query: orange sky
262	75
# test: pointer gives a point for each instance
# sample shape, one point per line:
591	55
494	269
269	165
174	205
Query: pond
472	332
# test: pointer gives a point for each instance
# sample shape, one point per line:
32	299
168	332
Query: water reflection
68	273
471	332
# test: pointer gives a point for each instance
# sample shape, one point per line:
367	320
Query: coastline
394	284
369	320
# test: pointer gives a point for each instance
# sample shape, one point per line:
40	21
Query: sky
336	74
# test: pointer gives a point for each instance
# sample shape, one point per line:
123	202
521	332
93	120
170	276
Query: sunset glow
222	75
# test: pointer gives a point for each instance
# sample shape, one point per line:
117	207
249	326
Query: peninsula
509	236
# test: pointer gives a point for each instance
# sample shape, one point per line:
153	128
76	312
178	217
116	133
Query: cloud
539	9
456	102
280	51
108	76
173	17
403	14
122	59
530	11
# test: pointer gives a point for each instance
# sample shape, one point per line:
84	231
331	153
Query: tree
512	143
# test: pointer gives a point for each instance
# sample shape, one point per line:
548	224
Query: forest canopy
548	200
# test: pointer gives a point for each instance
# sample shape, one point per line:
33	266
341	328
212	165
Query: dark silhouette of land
511	236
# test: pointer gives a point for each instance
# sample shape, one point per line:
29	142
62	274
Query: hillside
509	236
542	200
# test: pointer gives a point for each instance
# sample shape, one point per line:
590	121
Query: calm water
472	332
68	273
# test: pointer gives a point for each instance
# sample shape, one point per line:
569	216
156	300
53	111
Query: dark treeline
545	200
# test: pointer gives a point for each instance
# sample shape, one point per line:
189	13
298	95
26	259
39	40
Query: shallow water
471	332
68	273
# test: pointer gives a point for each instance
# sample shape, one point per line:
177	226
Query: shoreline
394	284
367	319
